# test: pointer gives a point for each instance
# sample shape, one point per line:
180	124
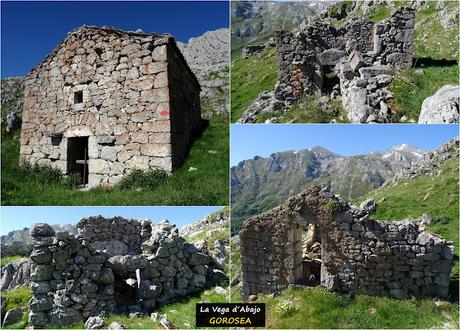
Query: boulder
94	322
117	326
41	230
13	316
331	56
443	107
15	274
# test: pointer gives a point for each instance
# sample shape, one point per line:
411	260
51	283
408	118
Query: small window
56	140
78	97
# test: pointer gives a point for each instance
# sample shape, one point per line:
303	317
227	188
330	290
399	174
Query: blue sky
13	218
31	30
248	141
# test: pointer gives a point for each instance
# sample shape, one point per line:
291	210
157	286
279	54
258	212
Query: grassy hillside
435	195
208	185
250	77
412	86
302	308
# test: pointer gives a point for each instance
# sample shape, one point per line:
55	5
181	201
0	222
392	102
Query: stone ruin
356	61
107	101
343	250
112	266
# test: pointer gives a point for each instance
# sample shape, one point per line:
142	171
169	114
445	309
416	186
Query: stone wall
185	106
363	54
359	255
73	278
112	87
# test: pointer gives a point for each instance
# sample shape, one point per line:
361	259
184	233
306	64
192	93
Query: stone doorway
330	79
77	158
311	256
125	291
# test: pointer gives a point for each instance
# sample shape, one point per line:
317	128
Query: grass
250	77
303	308
435	195
6	260
308	110
18	297
410	88
431	39
208	185
380	13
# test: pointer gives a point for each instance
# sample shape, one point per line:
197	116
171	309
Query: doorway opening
311	256
330	79
77	158
125	291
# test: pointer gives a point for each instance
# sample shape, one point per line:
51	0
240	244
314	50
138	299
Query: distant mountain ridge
23	235
259	184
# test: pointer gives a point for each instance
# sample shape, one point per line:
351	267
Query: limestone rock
94	322
442	107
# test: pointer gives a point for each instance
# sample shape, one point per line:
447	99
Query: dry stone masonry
112	265
356	61
358	255
106	101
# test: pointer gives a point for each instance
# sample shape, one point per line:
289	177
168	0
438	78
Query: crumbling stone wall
397	258
118	89
73	278
389	42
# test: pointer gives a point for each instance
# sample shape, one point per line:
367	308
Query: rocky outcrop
12	91
430	164
443	107
15	248
73	279
16	273
207	56
358	255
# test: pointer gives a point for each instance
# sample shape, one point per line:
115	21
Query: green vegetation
6	260
412	86
332	206
431	39
380	13
318	308
208	185
434	195
309	110
139	179
250	77
18	297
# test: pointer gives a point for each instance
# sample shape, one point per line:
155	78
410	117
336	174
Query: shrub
18	297
286	308
332	206
49	175
143	179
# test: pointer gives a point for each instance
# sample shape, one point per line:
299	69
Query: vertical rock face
15	274
208	57
397	258
119	100
77	277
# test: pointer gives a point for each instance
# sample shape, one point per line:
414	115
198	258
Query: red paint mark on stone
164	113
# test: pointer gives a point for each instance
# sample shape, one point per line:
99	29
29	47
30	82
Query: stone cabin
113	265
316	238
106	101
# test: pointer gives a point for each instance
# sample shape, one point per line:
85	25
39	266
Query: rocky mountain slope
207	56
12	93
256	21
23	235
262	183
